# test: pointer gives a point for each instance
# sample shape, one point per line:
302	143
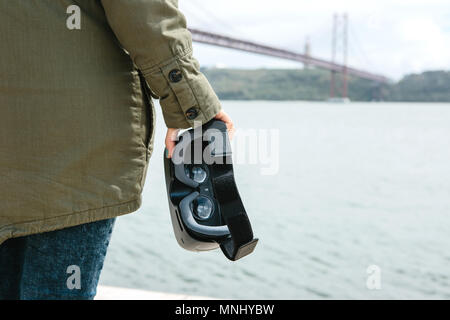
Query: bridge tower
339	43
307	53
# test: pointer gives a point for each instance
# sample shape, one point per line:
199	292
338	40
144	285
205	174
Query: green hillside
313	84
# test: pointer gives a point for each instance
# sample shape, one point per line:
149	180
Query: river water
356	206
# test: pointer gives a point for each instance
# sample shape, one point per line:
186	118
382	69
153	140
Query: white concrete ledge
114	293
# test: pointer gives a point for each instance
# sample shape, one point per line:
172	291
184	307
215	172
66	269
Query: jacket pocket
149	114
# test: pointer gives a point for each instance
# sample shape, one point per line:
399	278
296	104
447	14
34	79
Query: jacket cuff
186	97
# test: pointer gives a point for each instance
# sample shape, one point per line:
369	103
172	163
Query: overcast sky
391	37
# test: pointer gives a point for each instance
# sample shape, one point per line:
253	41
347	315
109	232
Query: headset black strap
241	242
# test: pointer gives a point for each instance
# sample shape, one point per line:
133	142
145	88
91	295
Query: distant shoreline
313	85
337	103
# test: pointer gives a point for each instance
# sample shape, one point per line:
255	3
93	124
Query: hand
171	138
226	118
172	133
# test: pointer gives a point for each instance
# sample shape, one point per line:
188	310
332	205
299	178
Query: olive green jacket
76	128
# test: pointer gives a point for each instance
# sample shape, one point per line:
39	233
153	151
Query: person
77	126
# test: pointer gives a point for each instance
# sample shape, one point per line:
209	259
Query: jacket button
175	75
191	114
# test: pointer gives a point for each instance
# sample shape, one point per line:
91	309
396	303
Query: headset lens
198	174
203	207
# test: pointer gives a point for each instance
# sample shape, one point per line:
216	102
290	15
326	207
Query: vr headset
205	207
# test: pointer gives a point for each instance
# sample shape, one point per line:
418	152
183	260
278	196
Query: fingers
229	123
172	133
170	142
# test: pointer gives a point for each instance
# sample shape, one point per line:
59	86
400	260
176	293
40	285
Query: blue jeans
60	265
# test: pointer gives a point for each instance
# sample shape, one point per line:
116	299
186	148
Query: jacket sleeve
155	35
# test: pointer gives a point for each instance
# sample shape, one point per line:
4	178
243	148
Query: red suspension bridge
248	46
339	39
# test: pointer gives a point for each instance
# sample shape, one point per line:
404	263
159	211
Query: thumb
170	141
